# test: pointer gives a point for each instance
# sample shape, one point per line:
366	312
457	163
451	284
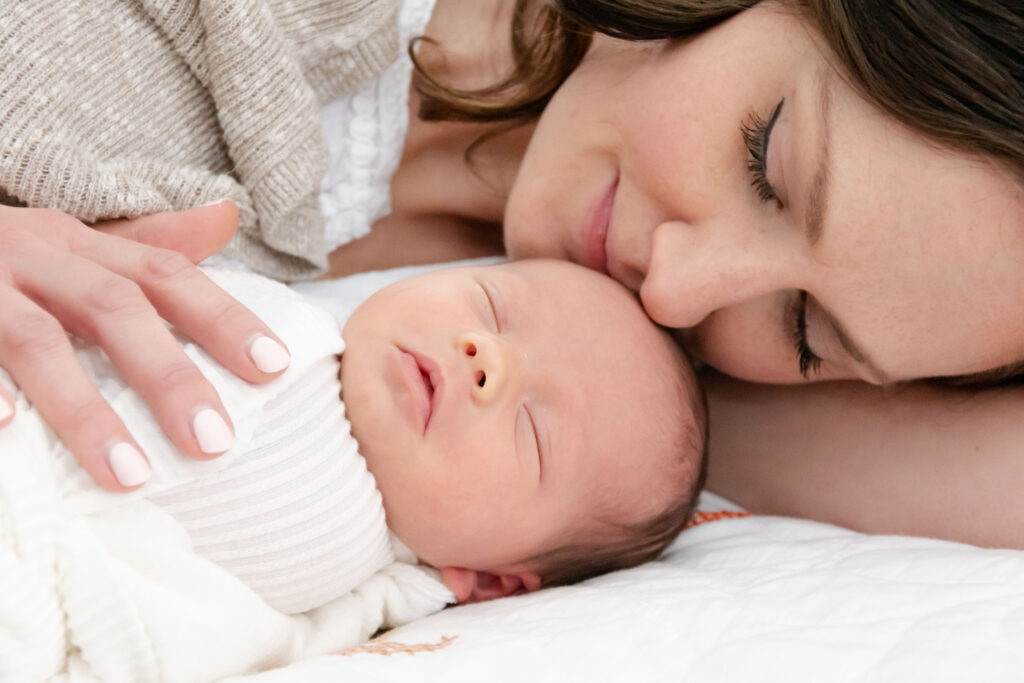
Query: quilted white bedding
733	600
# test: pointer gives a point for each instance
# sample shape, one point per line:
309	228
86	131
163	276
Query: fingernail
128	465
212	432
268	355
5	410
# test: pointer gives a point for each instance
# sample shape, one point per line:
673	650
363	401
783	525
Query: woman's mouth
595	236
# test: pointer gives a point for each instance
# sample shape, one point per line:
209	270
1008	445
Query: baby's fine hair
614	545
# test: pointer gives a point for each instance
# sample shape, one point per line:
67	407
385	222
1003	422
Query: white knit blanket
200	573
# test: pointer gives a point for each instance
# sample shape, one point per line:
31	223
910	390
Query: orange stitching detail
704	517
383	646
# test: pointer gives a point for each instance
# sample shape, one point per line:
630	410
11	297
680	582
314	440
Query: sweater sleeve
157	110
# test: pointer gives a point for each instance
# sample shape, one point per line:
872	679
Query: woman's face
755	200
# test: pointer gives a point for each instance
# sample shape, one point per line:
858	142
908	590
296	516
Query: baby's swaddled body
276	550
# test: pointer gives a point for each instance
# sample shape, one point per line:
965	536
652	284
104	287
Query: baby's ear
471	585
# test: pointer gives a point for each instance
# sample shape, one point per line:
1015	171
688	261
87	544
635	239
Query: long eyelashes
810	362
756	135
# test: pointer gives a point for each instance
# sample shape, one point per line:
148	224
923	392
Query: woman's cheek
742	348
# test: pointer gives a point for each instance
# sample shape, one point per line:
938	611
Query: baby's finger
36	351
113	313
189	300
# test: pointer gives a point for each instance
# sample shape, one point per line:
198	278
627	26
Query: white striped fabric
297	516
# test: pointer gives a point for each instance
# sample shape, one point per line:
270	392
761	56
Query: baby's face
500	409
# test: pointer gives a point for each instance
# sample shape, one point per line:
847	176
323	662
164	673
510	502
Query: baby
518	426
526	423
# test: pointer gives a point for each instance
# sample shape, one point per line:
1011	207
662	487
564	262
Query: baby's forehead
571	287
589	316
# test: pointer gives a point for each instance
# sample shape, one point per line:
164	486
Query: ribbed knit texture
113	108
297	517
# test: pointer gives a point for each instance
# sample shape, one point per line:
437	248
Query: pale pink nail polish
212	432
268	355
129	466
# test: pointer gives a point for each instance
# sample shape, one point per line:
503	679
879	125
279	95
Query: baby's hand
111	284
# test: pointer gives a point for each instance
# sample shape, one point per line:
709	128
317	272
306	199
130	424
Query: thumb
197	233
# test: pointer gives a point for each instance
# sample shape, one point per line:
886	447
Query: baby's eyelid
537	439
494	309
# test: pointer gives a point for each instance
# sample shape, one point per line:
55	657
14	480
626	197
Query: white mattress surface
743	599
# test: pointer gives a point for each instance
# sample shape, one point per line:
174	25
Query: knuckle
231	314
161	266
177	375
35	333
113	295
84	416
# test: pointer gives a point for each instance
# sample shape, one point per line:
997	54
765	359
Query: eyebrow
817	196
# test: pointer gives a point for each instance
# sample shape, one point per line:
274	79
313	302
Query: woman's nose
696	270
489	361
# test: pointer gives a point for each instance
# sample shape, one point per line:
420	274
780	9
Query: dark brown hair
546	48
622	546
952	70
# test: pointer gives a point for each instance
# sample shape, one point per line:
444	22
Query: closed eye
757	133
490	302
536	438
808	361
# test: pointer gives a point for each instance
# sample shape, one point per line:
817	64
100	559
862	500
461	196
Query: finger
36	351
194	304
113	313
197	233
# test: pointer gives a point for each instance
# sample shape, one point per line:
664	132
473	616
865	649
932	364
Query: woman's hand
111	284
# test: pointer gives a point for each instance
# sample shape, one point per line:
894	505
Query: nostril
470	349
481	378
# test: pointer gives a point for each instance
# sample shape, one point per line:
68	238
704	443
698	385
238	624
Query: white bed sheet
733	600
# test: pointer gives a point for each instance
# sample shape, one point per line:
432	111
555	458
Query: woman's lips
419	382
595	237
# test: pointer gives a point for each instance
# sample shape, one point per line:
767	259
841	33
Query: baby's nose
488	360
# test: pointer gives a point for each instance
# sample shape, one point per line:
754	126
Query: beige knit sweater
113	108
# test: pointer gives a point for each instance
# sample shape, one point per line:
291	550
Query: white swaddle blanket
275	551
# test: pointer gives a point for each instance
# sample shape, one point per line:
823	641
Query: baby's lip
423	379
